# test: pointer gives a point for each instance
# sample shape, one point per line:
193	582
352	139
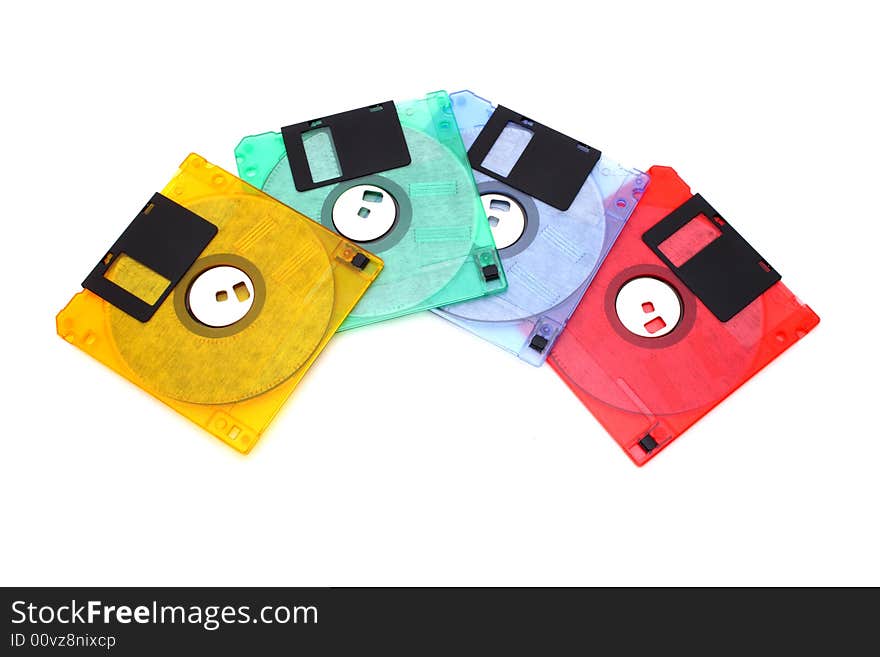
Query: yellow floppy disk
216	300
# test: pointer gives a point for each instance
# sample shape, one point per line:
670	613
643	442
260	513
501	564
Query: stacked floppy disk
222	291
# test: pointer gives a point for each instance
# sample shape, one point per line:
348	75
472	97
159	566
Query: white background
414	453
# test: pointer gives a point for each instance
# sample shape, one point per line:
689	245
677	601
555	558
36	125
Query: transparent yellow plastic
138	279
230	381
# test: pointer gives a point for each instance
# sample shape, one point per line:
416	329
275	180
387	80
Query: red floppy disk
682	312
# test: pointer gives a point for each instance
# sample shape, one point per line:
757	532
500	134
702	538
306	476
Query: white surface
663	304
444	460
348	209
204	298
507	220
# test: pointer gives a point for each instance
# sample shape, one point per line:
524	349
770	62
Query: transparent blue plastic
548	275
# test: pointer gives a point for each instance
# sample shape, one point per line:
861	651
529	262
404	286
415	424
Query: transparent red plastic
646	390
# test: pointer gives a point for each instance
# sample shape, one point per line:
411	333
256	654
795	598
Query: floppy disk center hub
507	218
220	296
364	213
648	307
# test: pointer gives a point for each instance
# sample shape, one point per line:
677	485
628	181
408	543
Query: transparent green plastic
446	241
